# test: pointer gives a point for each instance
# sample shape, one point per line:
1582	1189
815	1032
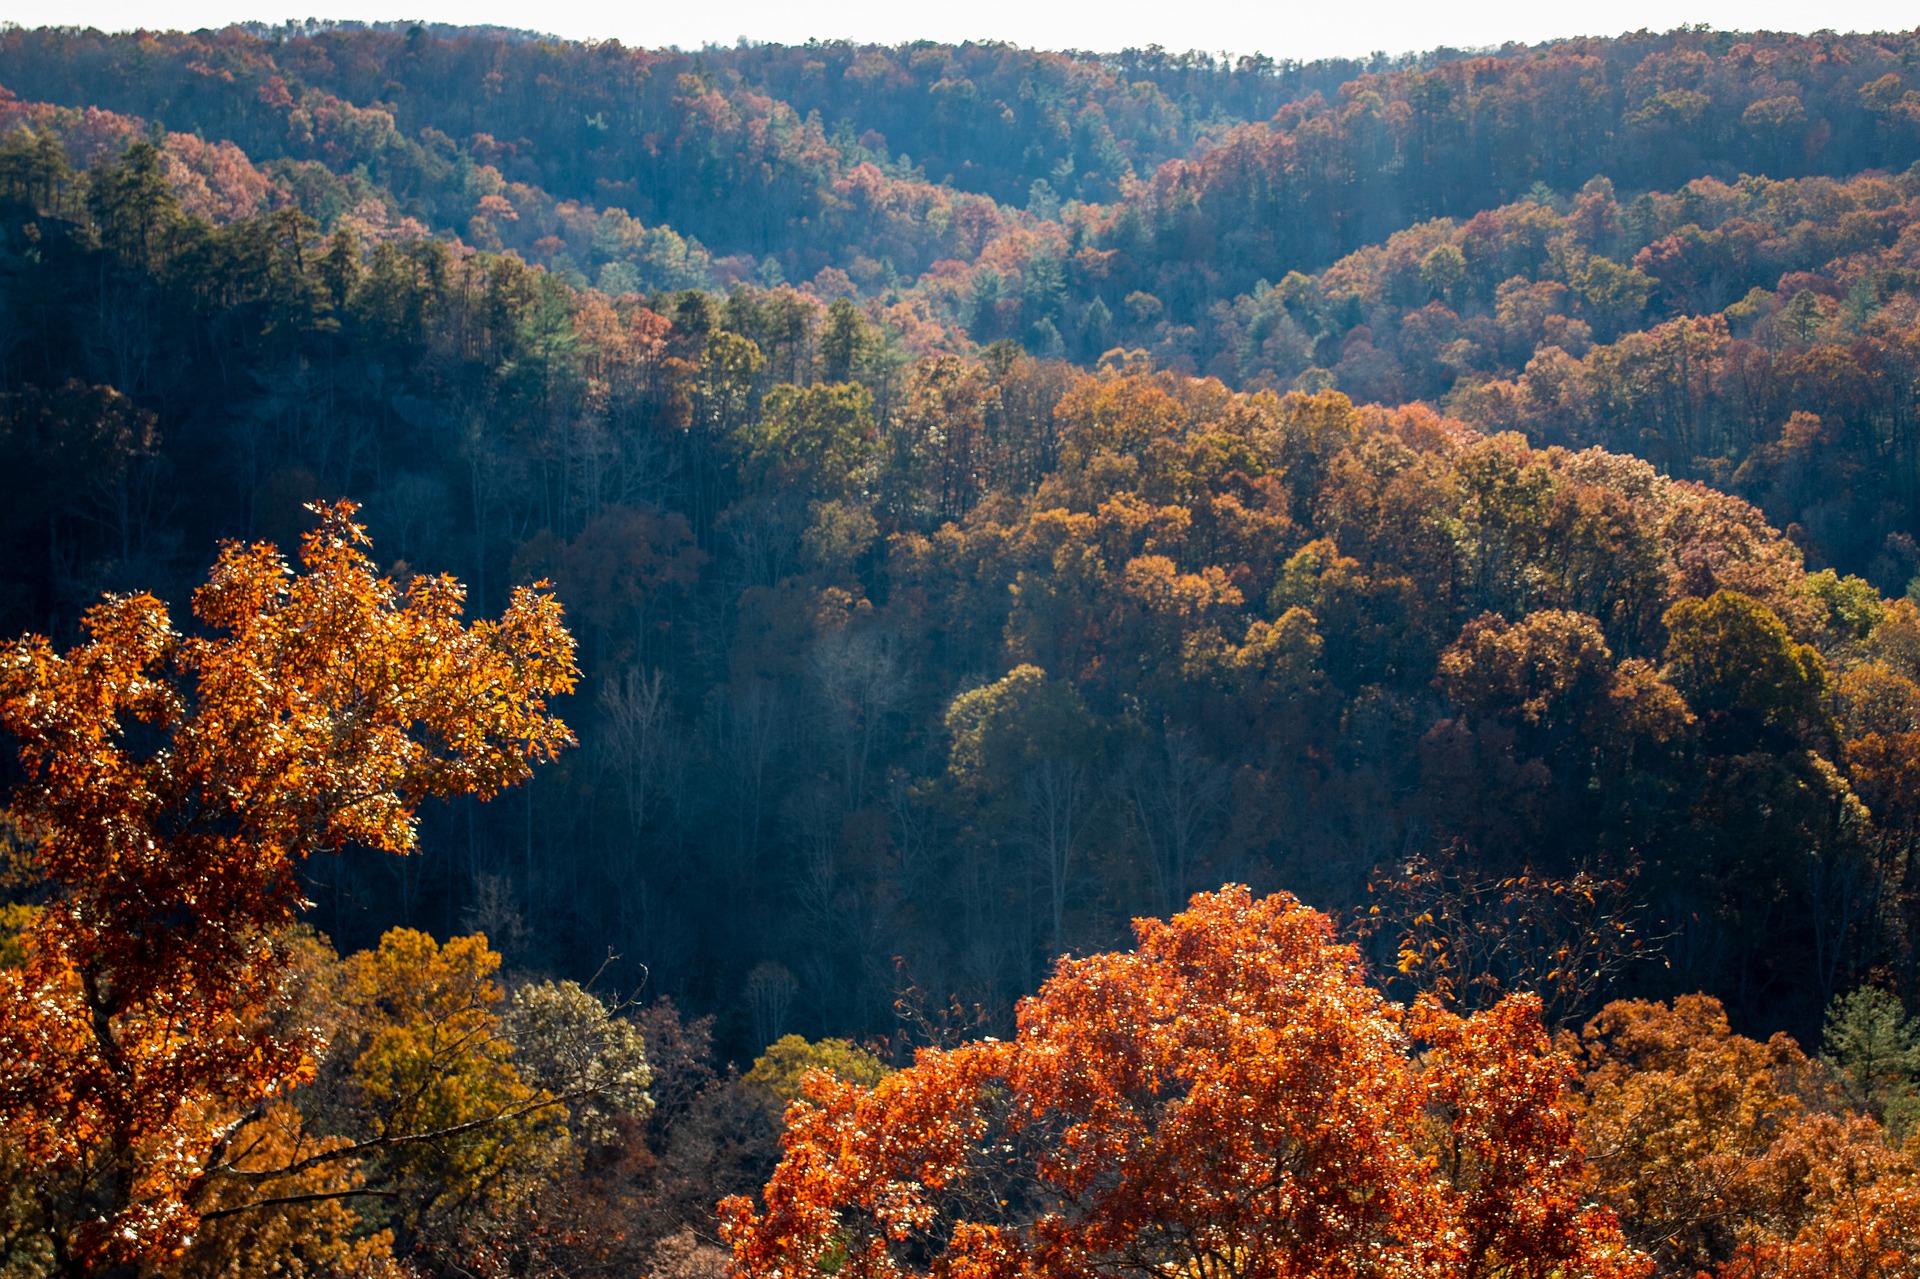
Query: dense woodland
992	496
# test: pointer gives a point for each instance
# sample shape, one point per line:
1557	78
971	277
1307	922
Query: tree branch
388	1142
317	1196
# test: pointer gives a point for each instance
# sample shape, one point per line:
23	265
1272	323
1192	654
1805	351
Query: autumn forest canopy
958	660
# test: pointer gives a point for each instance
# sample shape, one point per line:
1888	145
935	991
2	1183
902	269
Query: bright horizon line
749	41
1391	27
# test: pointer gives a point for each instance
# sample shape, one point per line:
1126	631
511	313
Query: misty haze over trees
993	495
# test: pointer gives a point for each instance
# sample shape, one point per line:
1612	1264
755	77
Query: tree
444	1118
1022	747
1718	1151
463	1106
1679	1114
820	439
780	1073
1466	936
1731	654
566	1043
133	204
1230	1099
430	1057
174	785
1874	1049
1845	1206
848	344
34	171
315	1231
62	440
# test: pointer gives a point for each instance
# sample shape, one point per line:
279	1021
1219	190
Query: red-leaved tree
1231	1099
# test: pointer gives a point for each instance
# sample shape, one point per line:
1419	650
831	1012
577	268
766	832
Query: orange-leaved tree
1721	1154
173	784
1231	1099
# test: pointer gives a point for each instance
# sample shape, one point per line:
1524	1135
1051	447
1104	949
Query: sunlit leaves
174	782
432	1057
1230	1096
1716	1149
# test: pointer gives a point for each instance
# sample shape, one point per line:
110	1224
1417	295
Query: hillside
998	494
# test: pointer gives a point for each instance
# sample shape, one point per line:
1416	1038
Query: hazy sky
1283	30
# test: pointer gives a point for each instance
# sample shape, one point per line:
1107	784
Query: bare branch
279	1201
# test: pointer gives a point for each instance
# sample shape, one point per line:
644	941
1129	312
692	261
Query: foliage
1860	1214
1306	639
1231	1094
1730	653
1714	1148
999	493
781	1072
1874	1050
312	1232
175	783
1679	1115
431	1056
1466	938
568	1045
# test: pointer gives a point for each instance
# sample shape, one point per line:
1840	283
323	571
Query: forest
958	660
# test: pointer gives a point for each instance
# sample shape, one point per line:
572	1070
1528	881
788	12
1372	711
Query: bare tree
813	816
744	732
765	536
1055	794
1173	798
641	747
859	684
769	994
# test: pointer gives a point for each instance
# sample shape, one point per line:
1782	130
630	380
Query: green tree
1023	758
1444	273
819	440
780	1073
1003	729
133	205
849	344
34	171
1874	1050
1730	654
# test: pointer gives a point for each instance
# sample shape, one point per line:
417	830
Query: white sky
1291	30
